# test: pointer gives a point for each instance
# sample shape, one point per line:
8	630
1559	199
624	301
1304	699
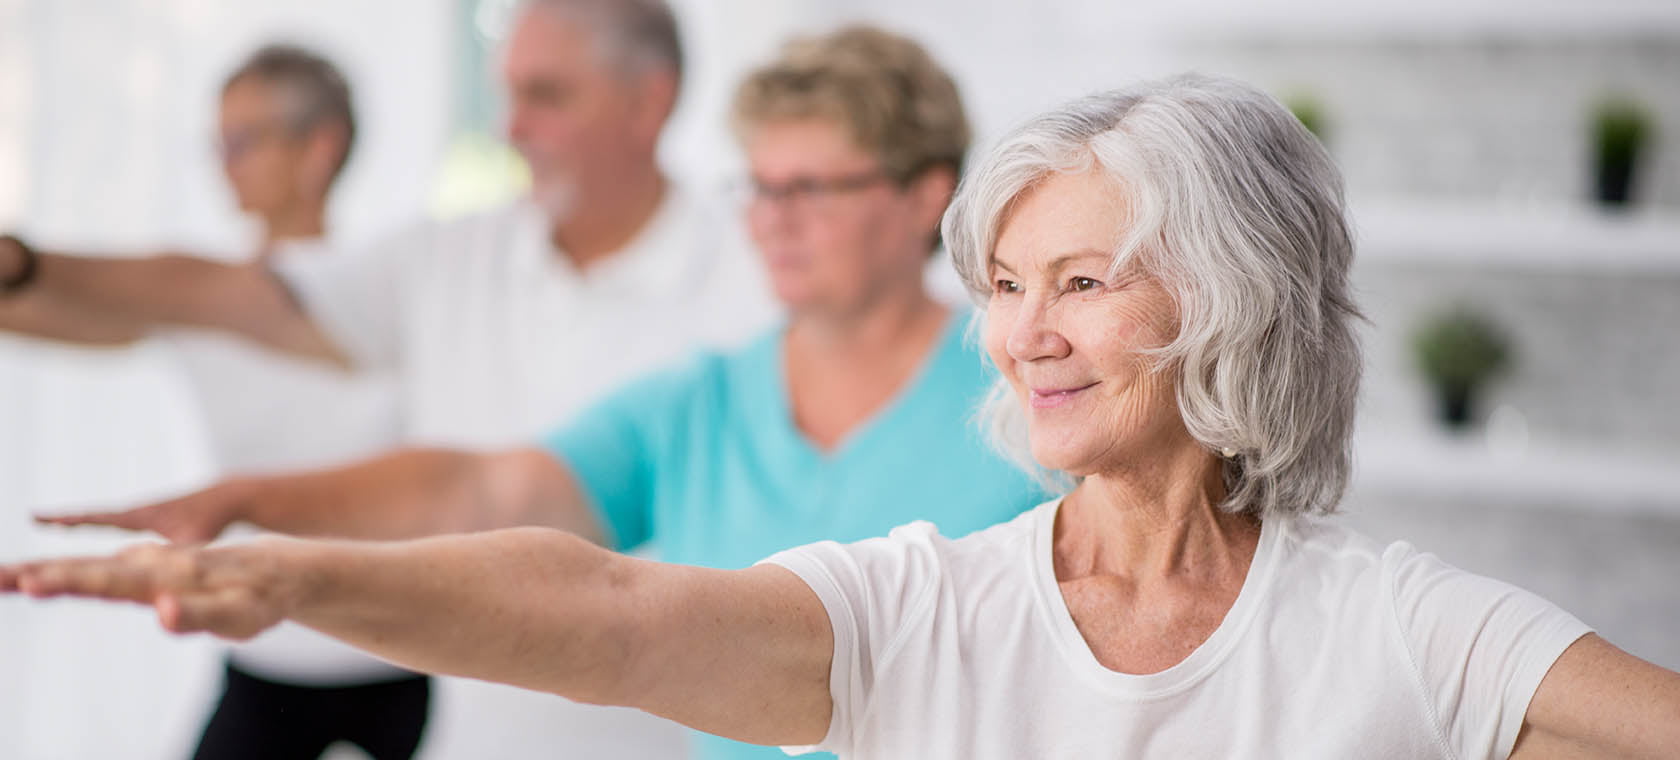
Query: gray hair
314	90
1238	212
637	35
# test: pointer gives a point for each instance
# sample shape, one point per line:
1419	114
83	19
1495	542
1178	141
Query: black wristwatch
26	272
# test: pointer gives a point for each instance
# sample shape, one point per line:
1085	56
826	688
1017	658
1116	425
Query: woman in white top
286	124
1164	272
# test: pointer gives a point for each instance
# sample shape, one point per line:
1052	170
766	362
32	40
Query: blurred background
1513	168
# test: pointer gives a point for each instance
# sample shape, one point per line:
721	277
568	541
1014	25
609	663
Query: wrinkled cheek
1149	405
1157	383
1132	410
1144	323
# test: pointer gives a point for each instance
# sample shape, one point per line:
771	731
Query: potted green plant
1621	129
1458	352
1310	112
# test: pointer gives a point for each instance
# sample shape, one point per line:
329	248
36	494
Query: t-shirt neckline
655	257
1182	675
949	342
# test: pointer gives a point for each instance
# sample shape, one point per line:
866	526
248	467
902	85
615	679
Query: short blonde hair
882	87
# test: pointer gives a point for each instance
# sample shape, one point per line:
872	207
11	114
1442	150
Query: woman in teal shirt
709	462
822	429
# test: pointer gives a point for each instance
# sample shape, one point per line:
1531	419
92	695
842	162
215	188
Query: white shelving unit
1563	249
1477	467
1551	238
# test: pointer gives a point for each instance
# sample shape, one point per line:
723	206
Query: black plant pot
1454	405
1615	182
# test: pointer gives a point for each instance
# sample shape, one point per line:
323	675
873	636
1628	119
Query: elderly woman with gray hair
1164	274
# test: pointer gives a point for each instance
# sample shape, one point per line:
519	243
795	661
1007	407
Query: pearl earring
1228	452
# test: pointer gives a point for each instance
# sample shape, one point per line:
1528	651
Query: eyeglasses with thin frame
809	193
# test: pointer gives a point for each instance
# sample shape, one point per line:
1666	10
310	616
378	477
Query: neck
846	336
604	220
841	368
303	219
1156	515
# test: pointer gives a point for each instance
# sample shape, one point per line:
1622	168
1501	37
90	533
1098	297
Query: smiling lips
1049	398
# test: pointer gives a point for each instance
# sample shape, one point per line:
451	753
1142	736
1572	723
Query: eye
1079	284
1006	286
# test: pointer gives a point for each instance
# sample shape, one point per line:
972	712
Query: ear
655	100
322	149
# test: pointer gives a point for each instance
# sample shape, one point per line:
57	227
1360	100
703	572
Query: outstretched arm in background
109	301
405	494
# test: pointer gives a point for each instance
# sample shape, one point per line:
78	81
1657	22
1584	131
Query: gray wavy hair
1238	212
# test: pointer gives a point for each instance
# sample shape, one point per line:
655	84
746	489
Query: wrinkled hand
192	519
235	592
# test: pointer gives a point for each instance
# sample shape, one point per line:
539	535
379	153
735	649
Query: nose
1035	332
770	216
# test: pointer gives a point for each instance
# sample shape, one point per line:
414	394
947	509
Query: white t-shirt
1336	647
263	411
496	338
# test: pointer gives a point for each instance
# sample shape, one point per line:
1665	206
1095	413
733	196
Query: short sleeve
874	592
357	298
1480	647
615	449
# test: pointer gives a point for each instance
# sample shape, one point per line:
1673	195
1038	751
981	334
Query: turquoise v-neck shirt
706	461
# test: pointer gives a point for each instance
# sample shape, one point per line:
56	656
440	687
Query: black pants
258	719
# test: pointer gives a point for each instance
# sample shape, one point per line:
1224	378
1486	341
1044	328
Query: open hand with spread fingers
234	592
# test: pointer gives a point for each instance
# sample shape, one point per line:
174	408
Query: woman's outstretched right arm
743	654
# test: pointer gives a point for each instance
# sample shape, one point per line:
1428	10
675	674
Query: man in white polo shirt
502	323
496	332
497	326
